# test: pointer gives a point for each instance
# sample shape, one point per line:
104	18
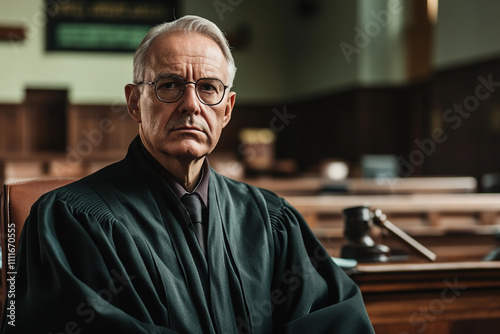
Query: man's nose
189	101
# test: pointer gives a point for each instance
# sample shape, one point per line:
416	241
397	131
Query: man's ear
231	98
132	94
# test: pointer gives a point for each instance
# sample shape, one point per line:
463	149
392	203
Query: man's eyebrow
169	75
177	76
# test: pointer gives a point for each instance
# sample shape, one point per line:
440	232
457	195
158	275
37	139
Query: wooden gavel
361	246
380	219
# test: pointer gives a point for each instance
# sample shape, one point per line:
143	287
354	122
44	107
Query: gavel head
360	245
358	224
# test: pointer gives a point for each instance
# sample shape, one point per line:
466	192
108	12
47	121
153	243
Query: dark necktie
193	205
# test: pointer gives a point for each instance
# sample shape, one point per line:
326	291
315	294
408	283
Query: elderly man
161	243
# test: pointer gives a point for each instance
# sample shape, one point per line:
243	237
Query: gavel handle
381	220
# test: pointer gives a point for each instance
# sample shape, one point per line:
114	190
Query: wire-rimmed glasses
170	89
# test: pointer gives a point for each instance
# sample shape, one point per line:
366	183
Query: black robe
112	253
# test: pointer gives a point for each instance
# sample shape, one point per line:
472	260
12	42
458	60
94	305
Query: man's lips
187	128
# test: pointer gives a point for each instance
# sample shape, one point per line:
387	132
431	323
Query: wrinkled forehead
181	51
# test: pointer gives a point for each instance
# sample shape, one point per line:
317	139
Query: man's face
187	129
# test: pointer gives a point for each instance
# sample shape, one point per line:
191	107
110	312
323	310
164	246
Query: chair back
15	204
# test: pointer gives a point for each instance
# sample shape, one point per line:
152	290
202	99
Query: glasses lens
210	91
170	89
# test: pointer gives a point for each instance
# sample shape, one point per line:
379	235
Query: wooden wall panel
11	128
343	124
45	119
466	105
97	129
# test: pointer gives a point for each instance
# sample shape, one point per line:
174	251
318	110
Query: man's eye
170	85
208	88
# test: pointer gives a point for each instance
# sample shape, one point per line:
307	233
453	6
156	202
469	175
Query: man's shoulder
248	192
88	194
88	182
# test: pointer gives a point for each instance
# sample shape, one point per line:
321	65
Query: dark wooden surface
431	298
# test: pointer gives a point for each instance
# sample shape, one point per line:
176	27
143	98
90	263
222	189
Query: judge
159	242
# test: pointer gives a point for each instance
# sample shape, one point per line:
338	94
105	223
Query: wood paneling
11	128
343	124
45	120
46	136
95	129
438	298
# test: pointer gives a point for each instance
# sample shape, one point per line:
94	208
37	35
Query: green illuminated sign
103	25
99	36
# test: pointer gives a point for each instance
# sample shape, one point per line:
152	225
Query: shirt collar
201	188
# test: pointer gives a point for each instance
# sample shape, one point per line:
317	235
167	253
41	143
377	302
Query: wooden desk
459	294
431	298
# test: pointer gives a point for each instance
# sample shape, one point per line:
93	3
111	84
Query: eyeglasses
170	89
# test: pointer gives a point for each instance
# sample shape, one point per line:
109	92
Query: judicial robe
112	253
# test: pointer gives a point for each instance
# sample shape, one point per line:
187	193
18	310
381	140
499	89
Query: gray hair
186	23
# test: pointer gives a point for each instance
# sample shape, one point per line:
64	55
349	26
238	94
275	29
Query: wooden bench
436	220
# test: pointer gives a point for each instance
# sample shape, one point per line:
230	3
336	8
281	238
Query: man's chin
187	152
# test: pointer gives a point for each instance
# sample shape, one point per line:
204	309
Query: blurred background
364	88
383	104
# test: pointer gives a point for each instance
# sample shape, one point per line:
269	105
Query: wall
293	51
466	32
90	78
315	62
261	72
344	105
382	23
289	40
98	78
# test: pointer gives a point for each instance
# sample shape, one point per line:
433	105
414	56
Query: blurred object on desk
378	166
335	170
490	183
257	149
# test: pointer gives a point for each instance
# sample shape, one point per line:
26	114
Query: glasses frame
195	83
